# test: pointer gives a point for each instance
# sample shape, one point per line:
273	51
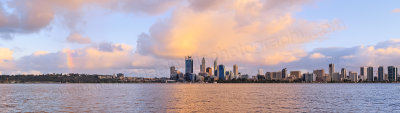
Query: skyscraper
363	73
353	76
392	73
343	74
221	70
331	69
209	71
203	66
215	67
260	72
380	73
236	71
188	65
284	72
370	74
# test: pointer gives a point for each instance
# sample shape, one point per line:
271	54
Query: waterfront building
203	66
295	74
236	71
363	73
353	76
188	65
284	72
309	77
260	72
343	74
209	71
320	75
336	77
392	73
216	68
380	73
221	70
331	69
370	74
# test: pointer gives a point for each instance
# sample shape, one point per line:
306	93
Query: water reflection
199	97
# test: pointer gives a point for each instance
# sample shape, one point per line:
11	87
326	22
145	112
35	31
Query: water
200	98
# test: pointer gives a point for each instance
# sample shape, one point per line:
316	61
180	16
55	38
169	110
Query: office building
295	74
209	71
284	72
343	74
203	66
216	68
370	74
363	73
260	72
380	73
336	77
353	76
221	72
309	77
392	73
236	71
331	69
188	65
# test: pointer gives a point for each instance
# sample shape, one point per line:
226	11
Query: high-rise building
188	65
392	73
284	72
309	77
209	71
203	66
331	69
260	72
216	67
363	73
370	74
319	73
353	76
173	73
172	70
236	71
336	77
221	70
295	74
343	74
380	73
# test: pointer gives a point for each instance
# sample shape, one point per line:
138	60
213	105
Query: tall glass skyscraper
221	70
188	65
380	73
392	73
370	74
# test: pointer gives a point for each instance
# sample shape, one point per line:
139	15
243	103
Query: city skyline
145	38
222	74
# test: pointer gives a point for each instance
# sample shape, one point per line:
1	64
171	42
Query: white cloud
256	32
77	38
38	53
317	56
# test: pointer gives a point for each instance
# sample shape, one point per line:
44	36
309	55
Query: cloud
317	56
258	32
396	10
30	16
38	53
90	59
77	38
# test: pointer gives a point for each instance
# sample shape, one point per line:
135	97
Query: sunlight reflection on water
199	98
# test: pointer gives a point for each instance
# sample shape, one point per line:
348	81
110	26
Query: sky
145	37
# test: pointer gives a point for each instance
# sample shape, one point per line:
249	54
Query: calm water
200	97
